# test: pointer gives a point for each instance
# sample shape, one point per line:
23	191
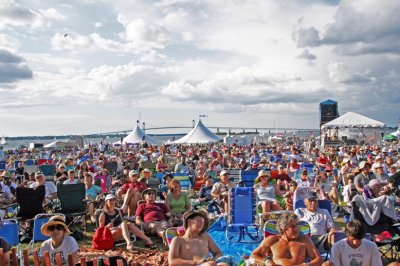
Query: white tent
138	136
199	134
354	126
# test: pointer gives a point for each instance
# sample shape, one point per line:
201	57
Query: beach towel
371	209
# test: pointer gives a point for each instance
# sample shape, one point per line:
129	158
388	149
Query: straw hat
262	173
202	213
55	220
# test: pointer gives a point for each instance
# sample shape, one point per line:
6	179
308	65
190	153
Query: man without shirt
287	248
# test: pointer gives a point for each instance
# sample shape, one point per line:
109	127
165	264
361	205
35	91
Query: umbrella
390	137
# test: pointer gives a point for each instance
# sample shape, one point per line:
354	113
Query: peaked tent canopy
138	136
199	134
356	127
353	120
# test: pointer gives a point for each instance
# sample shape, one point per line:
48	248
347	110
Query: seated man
154	217
205	198
354	249
130	192
220	189
51	189
320	221
287	248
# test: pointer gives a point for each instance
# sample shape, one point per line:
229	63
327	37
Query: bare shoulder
271	240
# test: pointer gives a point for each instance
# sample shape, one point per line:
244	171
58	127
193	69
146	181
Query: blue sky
77	67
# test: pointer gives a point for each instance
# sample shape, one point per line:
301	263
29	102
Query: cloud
306	55
359	27
52	13
68	41
243	87
13	68
98	24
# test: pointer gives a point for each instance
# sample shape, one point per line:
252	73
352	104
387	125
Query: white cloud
52	13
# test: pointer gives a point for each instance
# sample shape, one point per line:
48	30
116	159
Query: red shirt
150	212
139	186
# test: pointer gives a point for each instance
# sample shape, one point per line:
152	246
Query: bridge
216	129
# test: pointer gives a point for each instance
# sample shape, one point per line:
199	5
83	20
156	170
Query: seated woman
59	242
177	202
165	187
112	218
162	165
266	193
195	246
205	197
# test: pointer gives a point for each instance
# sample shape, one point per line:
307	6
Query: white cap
223	172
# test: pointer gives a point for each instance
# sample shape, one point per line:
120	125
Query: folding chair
111	167
73	206
270	228
29	162
184	180
38	221
172	232
322	204
242	226
44	161
9	230
235	175
30	201
2	165
49	170
248	177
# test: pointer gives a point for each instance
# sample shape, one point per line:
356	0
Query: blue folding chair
248	177
322	204
2	165
183	179
241	225
9	230
38	221
29	162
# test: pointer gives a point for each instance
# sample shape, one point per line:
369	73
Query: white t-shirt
68	182
320	221
50	187
67	247
367	254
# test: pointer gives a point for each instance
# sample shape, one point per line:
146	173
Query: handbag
102	239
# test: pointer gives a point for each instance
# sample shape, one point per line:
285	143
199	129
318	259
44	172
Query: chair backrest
235	175
48	169
38	221
242	205
30	201
72	197
111	167
9	231
172	232
183	179
29	162
101	181
322	204
2	165
270	228
301	192
30	169
248	177
44	161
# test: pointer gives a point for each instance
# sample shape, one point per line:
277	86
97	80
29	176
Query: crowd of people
130	206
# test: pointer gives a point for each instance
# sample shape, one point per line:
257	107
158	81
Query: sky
91	66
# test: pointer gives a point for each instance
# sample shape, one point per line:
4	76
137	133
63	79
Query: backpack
102	239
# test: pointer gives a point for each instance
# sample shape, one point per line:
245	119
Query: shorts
155	227
321	242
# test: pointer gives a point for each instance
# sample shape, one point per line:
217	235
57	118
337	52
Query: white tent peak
351	119
136	136
199	134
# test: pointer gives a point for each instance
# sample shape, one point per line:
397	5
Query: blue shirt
93	191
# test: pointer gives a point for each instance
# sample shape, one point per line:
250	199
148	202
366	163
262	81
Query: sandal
151	246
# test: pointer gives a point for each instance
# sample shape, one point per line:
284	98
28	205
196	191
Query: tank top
266	193
116	218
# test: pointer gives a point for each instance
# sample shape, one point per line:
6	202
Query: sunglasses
53	227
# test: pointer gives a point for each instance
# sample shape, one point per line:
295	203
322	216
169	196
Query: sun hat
55	220
262	173
202	213
5	174
110	197
146	191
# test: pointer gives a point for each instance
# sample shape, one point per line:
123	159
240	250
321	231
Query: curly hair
285	219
